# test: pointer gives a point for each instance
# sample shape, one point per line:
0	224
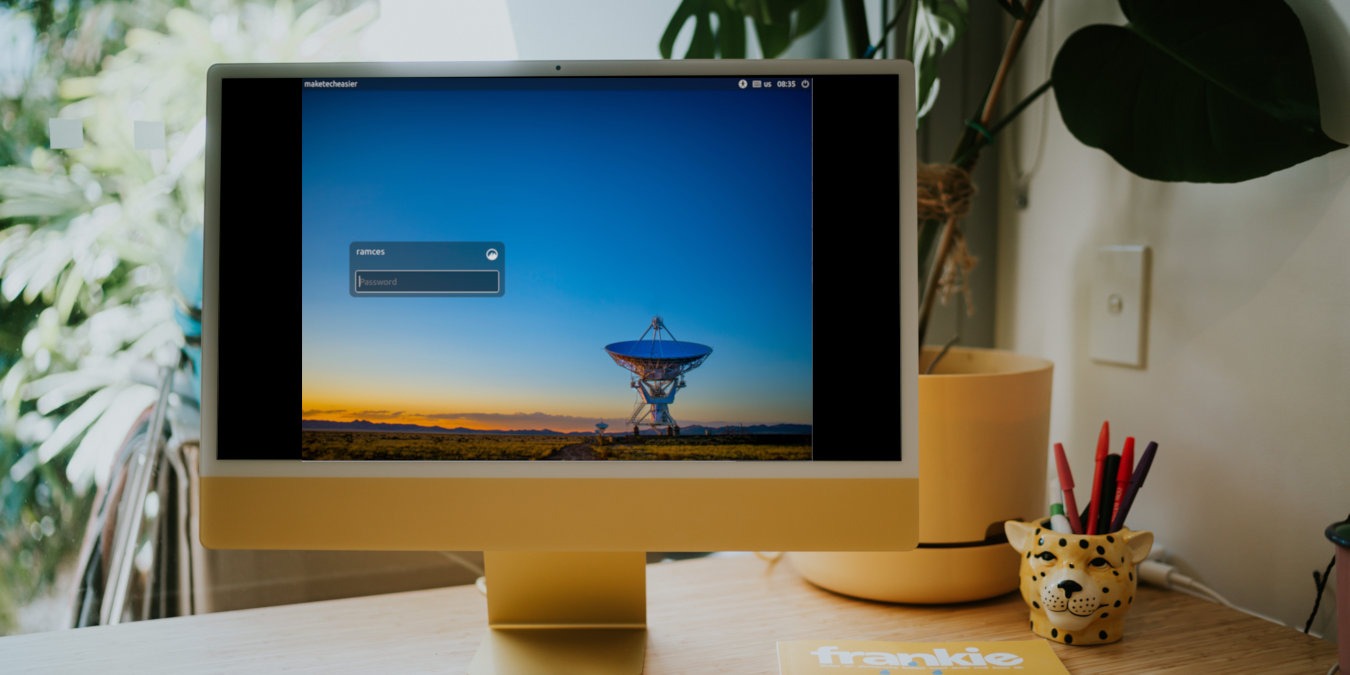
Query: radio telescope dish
658	365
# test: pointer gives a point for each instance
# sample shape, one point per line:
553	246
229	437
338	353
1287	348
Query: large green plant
40	509
1201	91
1194	90
92	239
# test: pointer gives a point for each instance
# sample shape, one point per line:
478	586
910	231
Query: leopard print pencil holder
1079	587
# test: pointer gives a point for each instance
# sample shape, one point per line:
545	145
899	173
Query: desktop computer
564	313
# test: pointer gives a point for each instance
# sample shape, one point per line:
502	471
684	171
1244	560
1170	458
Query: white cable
1167	576
463	562
1163	575
1158	552
481	582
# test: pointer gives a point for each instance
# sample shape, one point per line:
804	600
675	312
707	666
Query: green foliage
935	27
35	540
53	275
931	28
69	39
92	239
719	26
1202	91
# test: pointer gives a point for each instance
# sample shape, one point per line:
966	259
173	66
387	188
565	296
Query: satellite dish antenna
658	365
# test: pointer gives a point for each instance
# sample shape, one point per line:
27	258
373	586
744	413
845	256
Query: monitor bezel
907	416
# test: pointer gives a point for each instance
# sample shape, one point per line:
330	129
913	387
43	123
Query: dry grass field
359	445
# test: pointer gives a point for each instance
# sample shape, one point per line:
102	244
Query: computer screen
583	306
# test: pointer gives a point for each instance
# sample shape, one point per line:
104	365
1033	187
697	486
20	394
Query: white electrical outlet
1119	312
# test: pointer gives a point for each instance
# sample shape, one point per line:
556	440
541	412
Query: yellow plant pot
984	427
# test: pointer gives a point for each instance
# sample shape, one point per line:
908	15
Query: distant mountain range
696	430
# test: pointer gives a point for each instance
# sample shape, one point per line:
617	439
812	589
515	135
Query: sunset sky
614	206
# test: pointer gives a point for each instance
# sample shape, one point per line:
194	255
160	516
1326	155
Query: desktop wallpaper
615	201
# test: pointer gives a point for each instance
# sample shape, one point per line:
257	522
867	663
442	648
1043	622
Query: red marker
1095	507
1066	483
1124	475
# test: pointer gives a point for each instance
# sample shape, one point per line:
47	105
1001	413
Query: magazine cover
840	657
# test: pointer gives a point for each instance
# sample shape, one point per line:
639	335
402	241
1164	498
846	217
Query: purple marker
1136	482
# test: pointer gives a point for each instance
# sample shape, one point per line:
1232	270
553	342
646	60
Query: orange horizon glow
511	421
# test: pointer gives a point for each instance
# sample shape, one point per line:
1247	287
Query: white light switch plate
1119	311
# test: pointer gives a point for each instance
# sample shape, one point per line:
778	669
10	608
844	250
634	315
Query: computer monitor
564	313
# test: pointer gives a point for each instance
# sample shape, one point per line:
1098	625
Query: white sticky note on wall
148	135
65	133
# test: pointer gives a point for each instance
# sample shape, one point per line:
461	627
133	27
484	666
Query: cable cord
481	581
462	562
1163	575
1321	584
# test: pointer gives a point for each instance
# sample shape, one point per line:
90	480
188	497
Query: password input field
427	282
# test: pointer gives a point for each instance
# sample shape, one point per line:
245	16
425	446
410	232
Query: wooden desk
710	615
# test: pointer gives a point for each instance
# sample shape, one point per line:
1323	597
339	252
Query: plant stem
967	151
1017	109
855	27
935	275
887	30
1007	119
972	140
911	22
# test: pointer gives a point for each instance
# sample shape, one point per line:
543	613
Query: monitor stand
564	612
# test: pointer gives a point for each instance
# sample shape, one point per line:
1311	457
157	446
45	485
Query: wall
621	29
1247	383
440	30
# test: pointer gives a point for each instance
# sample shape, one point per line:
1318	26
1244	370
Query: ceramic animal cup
1079	587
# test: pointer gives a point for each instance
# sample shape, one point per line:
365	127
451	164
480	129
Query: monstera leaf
777	24
1196	90
937	25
